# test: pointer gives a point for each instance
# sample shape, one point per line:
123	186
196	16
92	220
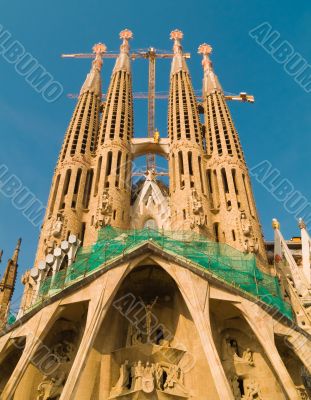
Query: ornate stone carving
104	211
252	391
196	209
174	380
246	226
137	372
165	377
248	357
124	378
148	379
235	387
58	225
303	395
63	351
51	387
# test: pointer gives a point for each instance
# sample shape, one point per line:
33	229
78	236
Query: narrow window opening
234	181
98	172
82	233
108	168
76	188
54	193
224	180
216	231
118	169
88	188
65	189
190	163
233	235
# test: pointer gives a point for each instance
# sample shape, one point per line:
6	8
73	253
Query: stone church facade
162	292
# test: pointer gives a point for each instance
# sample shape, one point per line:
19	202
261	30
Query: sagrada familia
156	290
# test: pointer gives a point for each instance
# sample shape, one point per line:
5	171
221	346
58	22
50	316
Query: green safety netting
11	318
232	266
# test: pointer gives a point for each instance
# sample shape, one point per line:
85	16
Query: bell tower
7	284
70	193
188	189
234	214
112	190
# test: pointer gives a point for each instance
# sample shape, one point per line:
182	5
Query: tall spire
72	183
234	214
92	82
210	80
112	167
179	62
123	60
188	189
7	284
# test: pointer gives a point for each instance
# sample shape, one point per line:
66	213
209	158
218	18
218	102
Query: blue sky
275	128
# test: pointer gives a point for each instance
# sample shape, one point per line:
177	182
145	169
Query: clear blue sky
277	127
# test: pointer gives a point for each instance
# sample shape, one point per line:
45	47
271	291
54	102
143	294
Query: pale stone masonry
154	290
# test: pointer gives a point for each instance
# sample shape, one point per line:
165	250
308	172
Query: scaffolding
222	261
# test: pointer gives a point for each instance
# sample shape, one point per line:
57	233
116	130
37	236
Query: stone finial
205	49
301	223
176	35
99	49
275	224
126	34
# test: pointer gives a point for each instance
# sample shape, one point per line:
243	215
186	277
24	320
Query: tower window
65	189
87	188
118	169
99	167
108	168
181	169
82	233
200	172
233	235
216	231
190	163
76	188
224	180
54	193
234	181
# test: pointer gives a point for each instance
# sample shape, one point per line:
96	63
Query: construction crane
244	97
151	54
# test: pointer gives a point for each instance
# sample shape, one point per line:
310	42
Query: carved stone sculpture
124	378
57	226
51	387
248	357
63	351
174	380
137	375
196	208
104	211
235	387
147	379
245	224
252	391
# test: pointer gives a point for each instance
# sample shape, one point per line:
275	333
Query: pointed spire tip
126	34
205	49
